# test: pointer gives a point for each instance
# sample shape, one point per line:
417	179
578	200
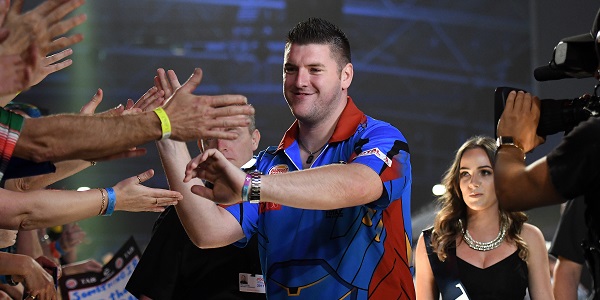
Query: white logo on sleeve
379	154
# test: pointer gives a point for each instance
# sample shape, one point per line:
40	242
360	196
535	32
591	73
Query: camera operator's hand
520	120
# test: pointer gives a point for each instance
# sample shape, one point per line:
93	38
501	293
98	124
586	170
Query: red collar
346	126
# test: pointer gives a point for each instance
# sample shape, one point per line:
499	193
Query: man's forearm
521	187
207	224
13	264
43	208
327	187
28	243
64	169
62	137
566	279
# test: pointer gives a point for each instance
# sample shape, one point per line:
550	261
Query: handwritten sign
108	285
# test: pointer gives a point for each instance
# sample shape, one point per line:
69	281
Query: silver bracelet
255	182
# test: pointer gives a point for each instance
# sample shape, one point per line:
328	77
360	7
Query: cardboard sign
108	285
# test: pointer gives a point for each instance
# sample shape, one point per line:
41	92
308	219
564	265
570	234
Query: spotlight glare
438	189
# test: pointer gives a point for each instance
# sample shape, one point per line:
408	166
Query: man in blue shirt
333	211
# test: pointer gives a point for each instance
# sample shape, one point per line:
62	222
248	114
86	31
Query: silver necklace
484	246
311	155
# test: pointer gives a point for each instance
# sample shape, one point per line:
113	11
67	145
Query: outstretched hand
90	108
167	82
50	64
27	73
7	237
44	23
226	178
37	281
84	266
15	76
32	36
71	237
157	95
135	197
194	117
150	100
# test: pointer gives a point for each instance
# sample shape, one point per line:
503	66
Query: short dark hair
320	31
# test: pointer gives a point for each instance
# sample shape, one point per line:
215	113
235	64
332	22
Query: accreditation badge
251	283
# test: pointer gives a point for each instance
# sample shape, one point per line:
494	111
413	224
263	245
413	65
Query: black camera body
555	115
574	57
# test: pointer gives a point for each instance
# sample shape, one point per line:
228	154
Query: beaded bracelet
246	187
112	201
103	202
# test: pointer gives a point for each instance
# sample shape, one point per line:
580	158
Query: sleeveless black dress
506	280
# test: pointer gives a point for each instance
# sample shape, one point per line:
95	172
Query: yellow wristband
165	124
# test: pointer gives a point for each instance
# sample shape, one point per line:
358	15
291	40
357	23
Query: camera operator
571	169
522	187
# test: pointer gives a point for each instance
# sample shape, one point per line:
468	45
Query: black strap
445	273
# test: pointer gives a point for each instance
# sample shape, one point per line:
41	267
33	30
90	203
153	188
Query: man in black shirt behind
172	267
570	170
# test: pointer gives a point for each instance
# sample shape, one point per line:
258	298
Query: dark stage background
428	67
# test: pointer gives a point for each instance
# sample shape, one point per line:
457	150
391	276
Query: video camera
573	57
555	115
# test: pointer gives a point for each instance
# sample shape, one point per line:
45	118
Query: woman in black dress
475	250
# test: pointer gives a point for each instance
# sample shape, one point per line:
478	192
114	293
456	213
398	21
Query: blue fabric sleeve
247	215
386	152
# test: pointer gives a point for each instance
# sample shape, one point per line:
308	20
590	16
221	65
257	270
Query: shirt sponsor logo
279	169
379	154
334	213
268	206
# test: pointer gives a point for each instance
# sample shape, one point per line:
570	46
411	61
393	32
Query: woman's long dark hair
446	228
